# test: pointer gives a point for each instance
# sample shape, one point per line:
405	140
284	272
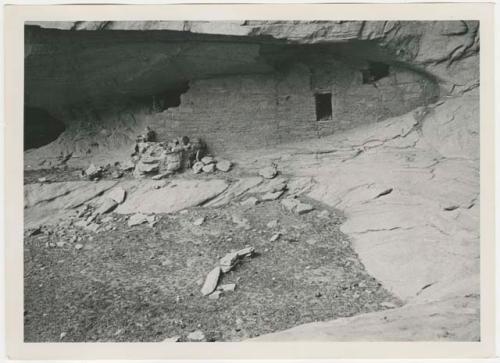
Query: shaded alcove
40	128
169	98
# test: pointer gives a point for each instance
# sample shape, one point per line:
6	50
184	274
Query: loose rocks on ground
268	172
211	281
223	165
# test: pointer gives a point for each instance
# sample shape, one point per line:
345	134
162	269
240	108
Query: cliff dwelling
235	92
268	180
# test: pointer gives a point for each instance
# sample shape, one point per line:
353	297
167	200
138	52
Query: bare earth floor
143	284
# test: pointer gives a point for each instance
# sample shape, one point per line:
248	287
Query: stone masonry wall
249	111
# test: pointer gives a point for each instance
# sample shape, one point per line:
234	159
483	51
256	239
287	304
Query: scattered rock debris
93	172
211	281
241	222
207	160
208	168
230	260
173	339
215	295
223	165
178	254
226	264
136	219
295	205
199	221
227	287
198	167
275	237
303	208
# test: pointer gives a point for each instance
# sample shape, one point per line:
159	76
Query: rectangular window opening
323	106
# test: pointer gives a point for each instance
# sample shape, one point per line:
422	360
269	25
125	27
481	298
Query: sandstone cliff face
105	78
408	183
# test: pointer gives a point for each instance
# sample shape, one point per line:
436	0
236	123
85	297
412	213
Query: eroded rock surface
412	209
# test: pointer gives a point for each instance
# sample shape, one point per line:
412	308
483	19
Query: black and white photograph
251	181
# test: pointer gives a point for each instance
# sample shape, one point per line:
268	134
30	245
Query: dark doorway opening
170	98
323	106
375	71
40	128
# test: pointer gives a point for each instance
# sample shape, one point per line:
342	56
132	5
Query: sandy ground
143	283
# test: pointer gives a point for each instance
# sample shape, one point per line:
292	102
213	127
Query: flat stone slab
48	204
178	195
452	320
235	190
64	194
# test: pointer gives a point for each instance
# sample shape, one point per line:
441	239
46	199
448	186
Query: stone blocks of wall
250	111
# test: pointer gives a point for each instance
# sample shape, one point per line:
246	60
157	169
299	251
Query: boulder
268	172
207	160
93	171
223	165
209	168
173	161
198	167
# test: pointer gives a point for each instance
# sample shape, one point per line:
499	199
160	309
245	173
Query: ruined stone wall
249	111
